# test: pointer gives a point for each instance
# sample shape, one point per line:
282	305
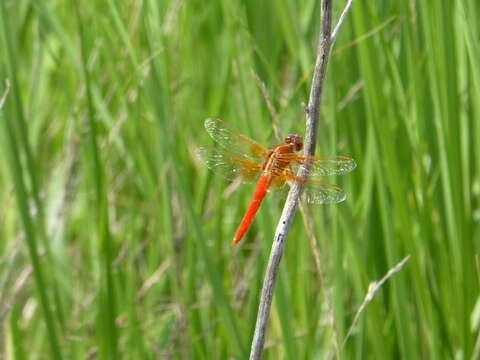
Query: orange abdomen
260	191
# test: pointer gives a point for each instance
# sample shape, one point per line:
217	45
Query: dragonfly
238	156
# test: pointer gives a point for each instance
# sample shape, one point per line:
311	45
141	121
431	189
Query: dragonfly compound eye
298	141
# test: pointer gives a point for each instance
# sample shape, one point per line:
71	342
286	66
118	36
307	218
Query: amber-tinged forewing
322	165
232	141
228	165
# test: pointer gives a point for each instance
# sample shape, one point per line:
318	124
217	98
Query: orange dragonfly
270	168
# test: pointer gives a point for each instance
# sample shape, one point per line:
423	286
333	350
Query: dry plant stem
340	21
292	200
372	290
307	219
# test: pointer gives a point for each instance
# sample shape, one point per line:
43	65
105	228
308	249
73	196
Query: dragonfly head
295	140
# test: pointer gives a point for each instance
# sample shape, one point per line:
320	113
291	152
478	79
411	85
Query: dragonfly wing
322	165
229	166
316	192
332	165
232	141
320	193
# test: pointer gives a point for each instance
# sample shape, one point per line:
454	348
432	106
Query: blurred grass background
114	239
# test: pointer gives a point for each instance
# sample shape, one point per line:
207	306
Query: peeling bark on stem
291	203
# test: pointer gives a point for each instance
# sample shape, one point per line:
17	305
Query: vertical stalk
291	204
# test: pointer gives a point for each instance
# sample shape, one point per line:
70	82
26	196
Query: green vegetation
114	238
